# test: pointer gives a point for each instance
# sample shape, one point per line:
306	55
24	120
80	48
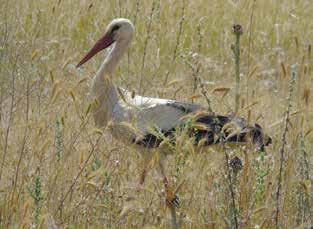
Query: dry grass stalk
148	36
282	149
178	37
250	46
11	115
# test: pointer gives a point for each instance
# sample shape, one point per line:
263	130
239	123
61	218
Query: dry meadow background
58	171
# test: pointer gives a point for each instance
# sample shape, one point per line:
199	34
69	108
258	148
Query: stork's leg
146	165
143	176
171	198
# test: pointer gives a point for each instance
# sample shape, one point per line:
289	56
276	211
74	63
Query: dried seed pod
237	29
236	164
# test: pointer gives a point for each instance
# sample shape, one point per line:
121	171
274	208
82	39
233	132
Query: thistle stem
174	220
237	29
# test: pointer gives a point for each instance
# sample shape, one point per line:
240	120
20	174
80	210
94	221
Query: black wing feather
215	124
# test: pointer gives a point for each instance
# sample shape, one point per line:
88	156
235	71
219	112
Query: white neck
113	58
103	88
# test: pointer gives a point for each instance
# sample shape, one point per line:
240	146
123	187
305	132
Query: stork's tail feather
211	129
228	129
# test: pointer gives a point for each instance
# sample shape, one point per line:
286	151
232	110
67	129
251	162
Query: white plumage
157	113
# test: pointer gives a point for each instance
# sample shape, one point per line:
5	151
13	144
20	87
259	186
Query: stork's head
119	30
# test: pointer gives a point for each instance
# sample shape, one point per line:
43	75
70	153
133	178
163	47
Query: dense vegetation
58	170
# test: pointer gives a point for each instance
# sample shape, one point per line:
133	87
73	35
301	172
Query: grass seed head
72	94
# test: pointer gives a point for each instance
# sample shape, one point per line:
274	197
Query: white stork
146	114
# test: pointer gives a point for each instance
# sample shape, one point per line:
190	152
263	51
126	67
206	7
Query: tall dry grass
57	170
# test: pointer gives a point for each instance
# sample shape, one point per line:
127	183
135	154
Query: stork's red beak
101	44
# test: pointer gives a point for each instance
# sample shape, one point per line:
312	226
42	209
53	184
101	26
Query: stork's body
144	115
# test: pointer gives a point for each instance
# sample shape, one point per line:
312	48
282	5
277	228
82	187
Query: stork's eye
115	27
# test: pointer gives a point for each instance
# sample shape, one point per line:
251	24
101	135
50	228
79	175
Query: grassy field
58	171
